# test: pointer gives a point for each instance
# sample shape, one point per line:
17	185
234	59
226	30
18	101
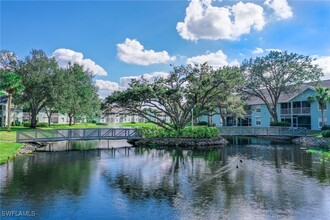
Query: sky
121	40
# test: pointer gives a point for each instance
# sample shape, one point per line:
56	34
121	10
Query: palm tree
12	84
322	96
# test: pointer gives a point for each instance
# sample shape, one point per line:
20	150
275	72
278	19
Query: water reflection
272	182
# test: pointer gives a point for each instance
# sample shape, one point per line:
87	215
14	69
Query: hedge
187	132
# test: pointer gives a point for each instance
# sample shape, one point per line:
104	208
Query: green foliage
325	127
26	124
39	124
42	124
275	74
279	124
187	132
326	133
186	88
101	123
322	96
79	96
133	122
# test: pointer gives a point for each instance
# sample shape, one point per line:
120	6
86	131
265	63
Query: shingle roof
286	97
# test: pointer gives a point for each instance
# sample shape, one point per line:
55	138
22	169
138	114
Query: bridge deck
76	134
263	131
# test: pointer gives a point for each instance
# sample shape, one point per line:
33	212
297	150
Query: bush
92	121
280	124
39	124
187	132
18	123
26	124
101	123
325	127
326	133
133	122
42	124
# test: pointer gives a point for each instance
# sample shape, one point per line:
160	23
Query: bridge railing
263	131
76	134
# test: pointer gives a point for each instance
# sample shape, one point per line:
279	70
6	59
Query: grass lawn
8	150
134	125
8	145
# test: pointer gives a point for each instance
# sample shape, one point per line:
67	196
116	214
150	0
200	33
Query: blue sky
118	40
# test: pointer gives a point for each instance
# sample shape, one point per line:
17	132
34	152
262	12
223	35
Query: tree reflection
42	176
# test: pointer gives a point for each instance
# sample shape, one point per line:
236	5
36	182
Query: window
258	108
258	121
320	122
325	107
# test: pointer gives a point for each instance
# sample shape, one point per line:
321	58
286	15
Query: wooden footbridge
76	134
263	131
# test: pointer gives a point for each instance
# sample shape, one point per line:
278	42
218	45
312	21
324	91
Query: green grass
8	150
132	125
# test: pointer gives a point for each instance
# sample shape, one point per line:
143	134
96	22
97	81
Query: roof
286	97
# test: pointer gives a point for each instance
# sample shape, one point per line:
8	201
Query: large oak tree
277	73
186	88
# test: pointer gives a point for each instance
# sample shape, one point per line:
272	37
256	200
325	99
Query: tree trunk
14	116
208	119
10	95
224	121
70	119
33	119
275	116
49	115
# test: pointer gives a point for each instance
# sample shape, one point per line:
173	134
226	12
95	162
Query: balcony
301	110
285	111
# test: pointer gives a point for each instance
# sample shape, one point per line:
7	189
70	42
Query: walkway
263	131
76	134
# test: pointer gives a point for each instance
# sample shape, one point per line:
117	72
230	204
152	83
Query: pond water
274	181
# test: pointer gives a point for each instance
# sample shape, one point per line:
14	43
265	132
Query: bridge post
69	134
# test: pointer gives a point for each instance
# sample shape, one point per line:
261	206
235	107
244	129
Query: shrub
325	127
188	132
39	124
27	124
18	123
279	124
133	122
326	133
42	124
101	123
92	121
202	123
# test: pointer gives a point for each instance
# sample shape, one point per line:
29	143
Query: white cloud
273	49
64	56
258	50
324	64
107	87
204	21
281	8
216	60
133	52
124	81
